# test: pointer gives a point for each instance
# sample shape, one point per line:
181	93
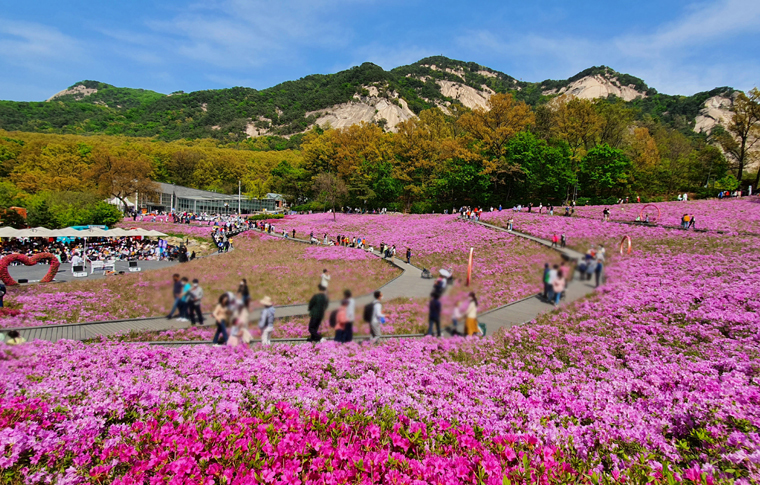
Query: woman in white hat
266	324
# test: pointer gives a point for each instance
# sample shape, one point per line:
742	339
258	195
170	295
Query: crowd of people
96	249
231	313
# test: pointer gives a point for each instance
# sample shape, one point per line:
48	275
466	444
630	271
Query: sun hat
266	301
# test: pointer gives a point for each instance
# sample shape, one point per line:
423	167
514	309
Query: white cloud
240	34
705	24
36	46
674	58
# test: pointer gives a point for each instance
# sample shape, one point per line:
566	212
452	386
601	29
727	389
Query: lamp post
238	197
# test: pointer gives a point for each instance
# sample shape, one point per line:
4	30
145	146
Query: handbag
482	327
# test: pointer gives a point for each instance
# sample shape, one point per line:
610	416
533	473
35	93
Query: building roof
188	193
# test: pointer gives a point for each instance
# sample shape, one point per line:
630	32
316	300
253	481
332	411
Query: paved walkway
527	309
407	285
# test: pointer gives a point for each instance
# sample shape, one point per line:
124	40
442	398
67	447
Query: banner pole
469	267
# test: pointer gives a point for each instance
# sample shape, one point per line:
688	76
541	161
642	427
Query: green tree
291	181
547	171
105	214
39	215
9	195
605	171
743	132
330	190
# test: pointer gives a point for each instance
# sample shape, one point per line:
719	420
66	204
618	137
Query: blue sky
676	47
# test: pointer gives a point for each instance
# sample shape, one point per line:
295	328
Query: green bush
262	217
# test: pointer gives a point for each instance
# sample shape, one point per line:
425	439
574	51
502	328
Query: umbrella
444	273
119	232
69	232
8	232
36	232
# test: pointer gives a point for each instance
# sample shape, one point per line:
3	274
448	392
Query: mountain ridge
365	93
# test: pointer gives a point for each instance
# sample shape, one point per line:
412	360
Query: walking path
409	284
528	309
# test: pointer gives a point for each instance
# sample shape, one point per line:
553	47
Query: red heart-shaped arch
5	276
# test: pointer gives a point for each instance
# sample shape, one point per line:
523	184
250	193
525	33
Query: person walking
599	271
176	293
3	292
558	286
434	314
377	317
317	308
243	292
563	240
194	303
555	240
471	316
348	333
547	280
266	322
408	255
184	302
221	316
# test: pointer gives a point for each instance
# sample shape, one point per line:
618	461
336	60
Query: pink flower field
505	269
652	379
729	215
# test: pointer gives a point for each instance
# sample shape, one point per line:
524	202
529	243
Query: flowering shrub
731	215
652	379
322	253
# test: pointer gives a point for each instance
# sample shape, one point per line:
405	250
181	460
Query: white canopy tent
10	232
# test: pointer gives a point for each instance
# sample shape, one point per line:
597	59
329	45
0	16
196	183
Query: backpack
333	318
369	309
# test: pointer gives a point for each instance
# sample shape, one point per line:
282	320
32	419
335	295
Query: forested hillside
230	115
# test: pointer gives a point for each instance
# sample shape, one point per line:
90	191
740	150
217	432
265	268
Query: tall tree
645	155
743	132
605	171
330	190
615	119
122	172
492	128
576	122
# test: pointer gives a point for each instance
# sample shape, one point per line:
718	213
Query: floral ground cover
653	379
732	215
287	272
506	268
581	232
